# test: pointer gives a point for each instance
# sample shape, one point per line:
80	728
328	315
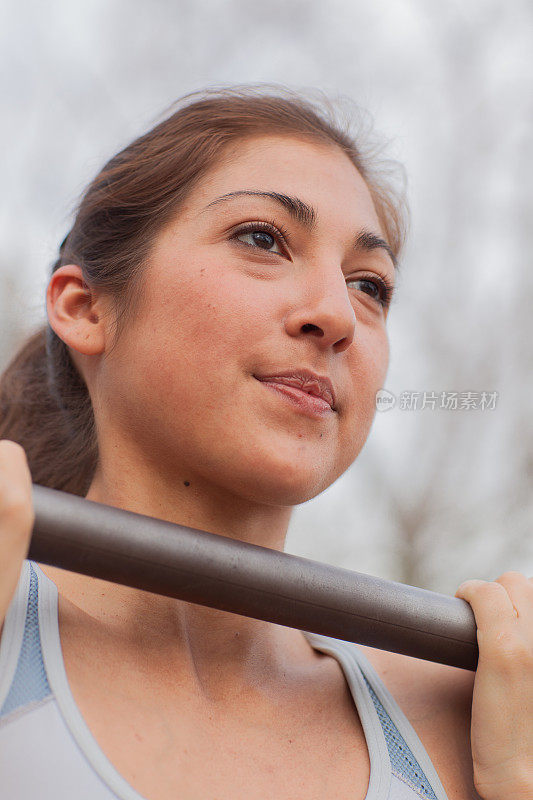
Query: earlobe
73	311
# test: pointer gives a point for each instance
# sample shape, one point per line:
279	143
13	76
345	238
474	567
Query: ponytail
46	408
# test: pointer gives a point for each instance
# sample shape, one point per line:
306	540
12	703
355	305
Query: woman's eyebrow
366	240
306	215
301	212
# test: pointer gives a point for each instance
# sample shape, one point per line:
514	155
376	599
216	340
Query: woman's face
241	286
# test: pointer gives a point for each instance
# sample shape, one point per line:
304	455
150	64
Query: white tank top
47	752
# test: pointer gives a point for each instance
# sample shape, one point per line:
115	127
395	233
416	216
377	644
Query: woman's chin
290	487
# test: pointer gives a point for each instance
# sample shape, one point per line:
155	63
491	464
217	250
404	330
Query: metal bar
212	570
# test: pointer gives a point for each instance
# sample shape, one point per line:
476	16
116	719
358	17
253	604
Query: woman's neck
196	504
217	649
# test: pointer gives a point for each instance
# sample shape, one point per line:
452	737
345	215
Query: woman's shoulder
423	684
437	701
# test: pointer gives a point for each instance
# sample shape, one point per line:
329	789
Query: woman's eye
258	238
377	289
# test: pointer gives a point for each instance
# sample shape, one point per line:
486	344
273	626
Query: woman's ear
74	312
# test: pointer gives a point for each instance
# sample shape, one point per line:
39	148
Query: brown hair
44	401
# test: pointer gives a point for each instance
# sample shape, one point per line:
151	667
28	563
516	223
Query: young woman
217	334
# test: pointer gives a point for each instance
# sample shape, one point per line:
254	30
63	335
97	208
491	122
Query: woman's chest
167	745
294	738
177	750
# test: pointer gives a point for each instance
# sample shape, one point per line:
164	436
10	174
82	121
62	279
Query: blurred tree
469	500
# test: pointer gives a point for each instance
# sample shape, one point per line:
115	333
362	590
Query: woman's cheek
368	376
370	364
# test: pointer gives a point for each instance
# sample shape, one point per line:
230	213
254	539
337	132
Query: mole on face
186	483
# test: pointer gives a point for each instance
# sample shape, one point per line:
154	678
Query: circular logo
385	400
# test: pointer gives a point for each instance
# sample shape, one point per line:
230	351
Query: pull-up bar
211	570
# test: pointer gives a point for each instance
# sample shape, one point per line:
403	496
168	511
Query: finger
520	590
15	479
490	602
504	637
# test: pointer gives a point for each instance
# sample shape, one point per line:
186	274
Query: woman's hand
502	704
16	518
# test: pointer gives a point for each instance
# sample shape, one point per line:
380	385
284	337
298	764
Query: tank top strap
410	762
411	773
23	680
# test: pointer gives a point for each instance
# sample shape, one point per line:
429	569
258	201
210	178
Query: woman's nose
325	312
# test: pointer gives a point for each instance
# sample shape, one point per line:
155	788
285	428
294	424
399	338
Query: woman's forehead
282	156
320	174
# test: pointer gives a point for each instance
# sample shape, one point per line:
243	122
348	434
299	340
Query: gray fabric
30	684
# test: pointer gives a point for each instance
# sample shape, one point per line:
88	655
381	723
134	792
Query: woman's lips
304	401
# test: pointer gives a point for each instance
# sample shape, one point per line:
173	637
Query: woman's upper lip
305	379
